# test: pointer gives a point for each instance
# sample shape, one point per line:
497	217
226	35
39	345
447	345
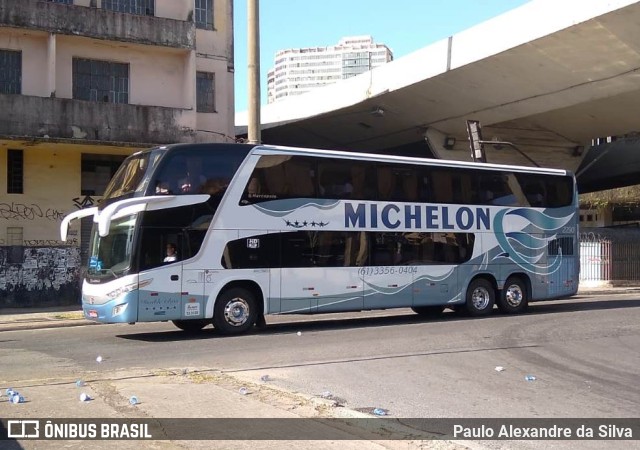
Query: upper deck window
282	176
197	171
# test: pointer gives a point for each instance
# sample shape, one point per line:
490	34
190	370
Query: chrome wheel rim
513	296
480	298
236	312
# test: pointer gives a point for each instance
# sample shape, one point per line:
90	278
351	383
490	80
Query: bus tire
514	296
235	312
191	326
428	311
480	298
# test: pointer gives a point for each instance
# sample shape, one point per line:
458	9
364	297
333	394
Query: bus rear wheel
514	298
480	298
191	326
235	311
428	311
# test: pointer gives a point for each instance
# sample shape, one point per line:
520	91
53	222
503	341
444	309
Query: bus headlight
117	310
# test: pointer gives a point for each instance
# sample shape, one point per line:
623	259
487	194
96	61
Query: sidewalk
200	394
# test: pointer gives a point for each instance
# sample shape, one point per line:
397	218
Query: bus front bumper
123	309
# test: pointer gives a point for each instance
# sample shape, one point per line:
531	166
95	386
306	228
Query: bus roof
355	155
270	149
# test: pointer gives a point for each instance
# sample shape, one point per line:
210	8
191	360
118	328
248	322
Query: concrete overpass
549	76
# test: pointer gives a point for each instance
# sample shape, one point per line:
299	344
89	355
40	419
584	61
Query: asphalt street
584	354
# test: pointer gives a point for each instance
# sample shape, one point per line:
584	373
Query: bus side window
356	251
254	188
362	176
409	185
275	179
299	175
442	186
335	180
386	183
534	192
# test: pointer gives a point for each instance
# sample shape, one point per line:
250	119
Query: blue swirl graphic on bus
528	247
280	208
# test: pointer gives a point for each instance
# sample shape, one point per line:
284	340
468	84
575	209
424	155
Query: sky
402	25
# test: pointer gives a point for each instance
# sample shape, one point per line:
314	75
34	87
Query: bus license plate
93	314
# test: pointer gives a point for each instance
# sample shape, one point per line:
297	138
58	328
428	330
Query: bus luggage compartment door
321	289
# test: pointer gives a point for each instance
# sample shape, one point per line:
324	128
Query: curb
609	291
44	324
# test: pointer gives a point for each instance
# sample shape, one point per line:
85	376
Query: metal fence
610	256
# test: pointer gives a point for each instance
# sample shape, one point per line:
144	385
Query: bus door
161	296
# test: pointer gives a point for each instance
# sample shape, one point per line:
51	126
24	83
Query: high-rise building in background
299	70
83	84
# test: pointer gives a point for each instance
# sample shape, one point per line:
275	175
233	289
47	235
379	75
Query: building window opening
140	7
97	171
100	81
205	92
204	14
15	172
10	72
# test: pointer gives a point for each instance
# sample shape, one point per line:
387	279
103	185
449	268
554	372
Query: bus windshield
133	175
110	256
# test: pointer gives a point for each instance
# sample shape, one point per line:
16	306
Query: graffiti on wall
84	202
40	272
49	242
45	242
33	211
42	277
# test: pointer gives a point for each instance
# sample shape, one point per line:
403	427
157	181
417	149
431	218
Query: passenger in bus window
254	187
163	187
172	253
193	179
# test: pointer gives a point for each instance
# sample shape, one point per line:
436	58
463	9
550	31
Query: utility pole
253	42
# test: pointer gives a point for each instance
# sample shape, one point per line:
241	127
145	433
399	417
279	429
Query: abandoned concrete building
84	83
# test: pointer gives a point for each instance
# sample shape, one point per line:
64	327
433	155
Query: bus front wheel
480	298
514	299
235	311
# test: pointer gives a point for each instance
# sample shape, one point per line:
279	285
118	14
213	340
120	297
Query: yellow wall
52	176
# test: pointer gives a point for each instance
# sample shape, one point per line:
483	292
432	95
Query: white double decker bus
273	230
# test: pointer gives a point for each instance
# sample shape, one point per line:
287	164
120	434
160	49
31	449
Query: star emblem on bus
305	223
